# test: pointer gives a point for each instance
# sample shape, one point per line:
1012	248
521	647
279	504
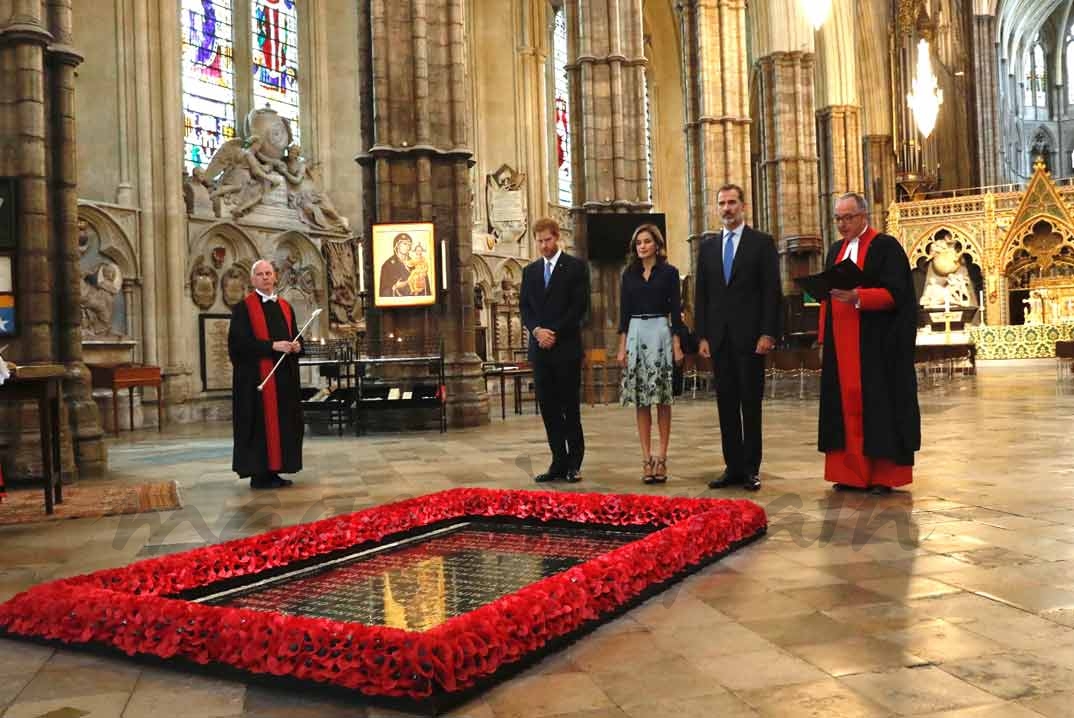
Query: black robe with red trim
268	425
892	420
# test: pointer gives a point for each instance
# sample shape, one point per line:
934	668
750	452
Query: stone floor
953	599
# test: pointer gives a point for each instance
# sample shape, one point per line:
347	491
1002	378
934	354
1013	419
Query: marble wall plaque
215	364
505	195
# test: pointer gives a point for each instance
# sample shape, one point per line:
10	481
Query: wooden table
43	383
128	376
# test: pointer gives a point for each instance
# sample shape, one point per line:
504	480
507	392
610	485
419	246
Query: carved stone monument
505	197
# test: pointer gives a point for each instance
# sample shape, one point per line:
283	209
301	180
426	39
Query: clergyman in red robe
870	423
267	422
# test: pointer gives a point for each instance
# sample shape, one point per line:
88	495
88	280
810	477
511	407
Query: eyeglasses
845	217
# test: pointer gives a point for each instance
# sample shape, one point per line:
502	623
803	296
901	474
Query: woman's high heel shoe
647	471
660	470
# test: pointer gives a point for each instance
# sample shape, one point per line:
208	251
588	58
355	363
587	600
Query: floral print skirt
647	376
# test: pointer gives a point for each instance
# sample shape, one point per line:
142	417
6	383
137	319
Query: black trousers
558	385
739	390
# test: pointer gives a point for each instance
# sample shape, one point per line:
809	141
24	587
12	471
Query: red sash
268	395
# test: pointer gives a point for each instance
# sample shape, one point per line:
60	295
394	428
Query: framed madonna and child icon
404	265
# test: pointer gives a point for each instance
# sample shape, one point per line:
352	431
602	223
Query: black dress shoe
547	476
574	476
841	487
279	481
880	490
265	481
752	483
726	479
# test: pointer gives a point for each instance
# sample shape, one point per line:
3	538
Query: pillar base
467	399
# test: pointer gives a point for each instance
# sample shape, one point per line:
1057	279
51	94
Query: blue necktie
547	273
728	256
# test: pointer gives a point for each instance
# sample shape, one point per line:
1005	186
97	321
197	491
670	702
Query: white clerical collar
852	245
265	297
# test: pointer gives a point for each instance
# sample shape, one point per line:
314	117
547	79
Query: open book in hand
845	275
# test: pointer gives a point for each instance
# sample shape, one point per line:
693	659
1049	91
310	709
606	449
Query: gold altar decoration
1020	239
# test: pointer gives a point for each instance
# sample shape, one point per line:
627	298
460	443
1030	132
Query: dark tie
728	256
547	272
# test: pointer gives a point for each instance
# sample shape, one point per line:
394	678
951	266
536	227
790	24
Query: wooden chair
1064	359
783	362
594	361
812	364
697	370
923	358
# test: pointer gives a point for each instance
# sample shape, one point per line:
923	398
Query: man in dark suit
553	299
738	305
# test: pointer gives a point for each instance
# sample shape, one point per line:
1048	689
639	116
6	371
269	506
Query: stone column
839	117
178	354
37	136
606	67
416	168
531	106
878	151
607	71
839	136
788	165
143	98
62	60
986	99
879	166
716	70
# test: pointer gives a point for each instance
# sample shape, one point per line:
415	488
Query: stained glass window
561	108
275	58
208	79
1036	78
1040	69
1070	68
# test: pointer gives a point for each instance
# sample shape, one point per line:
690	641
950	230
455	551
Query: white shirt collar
554	259
735	233
852	246
265	297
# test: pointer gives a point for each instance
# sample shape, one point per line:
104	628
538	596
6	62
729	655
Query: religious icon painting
7	315
405	268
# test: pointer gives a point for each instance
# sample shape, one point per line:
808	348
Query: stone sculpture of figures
243	178
313	205
342	281
99	290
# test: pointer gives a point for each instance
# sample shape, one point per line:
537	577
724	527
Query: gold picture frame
405	265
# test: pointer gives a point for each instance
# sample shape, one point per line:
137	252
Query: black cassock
248	405
891	418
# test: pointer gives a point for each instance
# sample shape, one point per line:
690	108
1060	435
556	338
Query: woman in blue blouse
650	324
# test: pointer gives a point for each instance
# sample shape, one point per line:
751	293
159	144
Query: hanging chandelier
817	11
925	98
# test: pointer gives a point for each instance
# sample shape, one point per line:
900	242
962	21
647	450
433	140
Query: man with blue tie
737	322
553	300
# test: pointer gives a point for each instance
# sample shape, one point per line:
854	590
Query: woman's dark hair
661	247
